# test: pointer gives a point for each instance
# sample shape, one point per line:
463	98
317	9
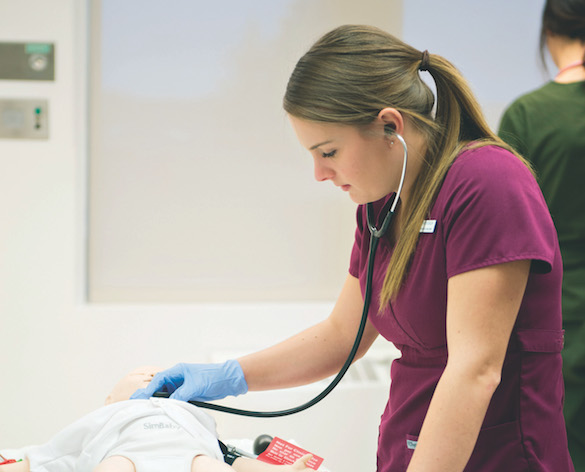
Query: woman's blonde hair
352	73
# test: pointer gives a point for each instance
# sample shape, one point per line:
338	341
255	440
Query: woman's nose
322	171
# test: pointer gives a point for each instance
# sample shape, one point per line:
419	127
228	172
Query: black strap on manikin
229	454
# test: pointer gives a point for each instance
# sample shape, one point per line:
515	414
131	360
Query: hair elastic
424	62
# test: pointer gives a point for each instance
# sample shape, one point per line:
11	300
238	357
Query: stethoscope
376	234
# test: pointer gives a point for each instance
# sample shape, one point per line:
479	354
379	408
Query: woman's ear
392	121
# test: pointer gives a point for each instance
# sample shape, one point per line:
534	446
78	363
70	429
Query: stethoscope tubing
291	411
375	235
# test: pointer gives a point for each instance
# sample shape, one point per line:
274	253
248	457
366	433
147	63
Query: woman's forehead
312	134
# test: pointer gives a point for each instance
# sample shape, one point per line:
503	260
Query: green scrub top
547	126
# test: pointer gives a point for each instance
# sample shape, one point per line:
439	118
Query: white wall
494	44
59	356
199	189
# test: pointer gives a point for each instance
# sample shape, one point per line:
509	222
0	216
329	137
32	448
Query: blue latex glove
201	382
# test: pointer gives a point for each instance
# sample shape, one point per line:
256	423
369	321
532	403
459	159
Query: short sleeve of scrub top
493	213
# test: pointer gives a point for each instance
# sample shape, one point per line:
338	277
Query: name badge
428	226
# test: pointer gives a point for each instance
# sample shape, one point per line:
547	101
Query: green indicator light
38	48
38	111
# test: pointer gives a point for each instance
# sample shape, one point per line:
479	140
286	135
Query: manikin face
364	164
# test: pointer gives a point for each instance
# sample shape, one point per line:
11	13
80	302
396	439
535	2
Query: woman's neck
571	72
568	56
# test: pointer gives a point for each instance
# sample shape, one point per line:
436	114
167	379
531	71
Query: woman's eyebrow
320	144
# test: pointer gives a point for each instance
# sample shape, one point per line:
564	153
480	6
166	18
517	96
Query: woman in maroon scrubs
467	283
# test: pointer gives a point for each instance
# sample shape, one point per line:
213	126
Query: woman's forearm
482	307
453	422
309	356
315	353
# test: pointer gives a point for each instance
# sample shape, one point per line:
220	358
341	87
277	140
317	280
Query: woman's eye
329	154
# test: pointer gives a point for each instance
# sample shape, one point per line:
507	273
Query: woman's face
364	164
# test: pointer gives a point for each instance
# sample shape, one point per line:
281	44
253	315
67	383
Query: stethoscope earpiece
389	130
375	232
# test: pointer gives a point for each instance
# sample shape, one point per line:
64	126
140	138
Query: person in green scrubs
547	126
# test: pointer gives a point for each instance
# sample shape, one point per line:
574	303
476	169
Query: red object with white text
281	452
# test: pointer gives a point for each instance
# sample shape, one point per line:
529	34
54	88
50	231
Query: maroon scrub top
489	211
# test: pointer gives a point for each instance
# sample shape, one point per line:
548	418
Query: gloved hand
202	382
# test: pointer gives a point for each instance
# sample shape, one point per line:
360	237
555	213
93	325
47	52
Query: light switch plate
24	119
27	61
